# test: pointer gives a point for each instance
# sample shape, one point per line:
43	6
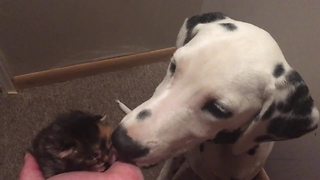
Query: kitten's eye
216	109
96	154
172	67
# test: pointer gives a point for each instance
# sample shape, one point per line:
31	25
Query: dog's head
229	82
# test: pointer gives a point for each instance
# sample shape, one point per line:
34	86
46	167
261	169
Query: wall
295	26
42	34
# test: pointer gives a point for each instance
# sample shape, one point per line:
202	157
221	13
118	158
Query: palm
118	171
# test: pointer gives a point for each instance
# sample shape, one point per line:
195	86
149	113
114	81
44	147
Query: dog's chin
149	166
148	162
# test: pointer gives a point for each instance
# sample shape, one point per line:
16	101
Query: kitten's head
74	141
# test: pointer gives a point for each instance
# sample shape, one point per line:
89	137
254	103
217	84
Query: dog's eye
172	67
216	109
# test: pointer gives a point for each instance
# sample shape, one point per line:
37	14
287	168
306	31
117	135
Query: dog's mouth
149	166
152	159
113	157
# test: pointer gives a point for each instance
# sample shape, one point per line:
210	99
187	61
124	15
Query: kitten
76	141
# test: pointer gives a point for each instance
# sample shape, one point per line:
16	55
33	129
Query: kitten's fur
75	141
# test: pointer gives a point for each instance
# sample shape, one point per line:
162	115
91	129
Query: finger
124	171
30	169
118	171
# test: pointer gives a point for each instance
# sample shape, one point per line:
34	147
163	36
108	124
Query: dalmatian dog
228	94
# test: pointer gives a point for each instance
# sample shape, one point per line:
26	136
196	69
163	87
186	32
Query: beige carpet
23	115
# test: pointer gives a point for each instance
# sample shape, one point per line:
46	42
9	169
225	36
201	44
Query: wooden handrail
80	70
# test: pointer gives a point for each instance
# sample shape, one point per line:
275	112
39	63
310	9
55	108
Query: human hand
118	171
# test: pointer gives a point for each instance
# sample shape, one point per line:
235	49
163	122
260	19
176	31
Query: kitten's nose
126	147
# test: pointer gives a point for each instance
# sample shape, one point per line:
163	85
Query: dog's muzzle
127	149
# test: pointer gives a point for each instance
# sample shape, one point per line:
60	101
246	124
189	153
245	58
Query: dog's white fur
234	68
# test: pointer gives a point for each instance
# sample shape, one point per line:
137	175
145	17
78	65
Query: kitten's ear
123	107
103	119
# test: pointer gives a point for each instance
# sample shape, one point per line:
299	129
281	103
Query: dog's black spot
229	26
143	114
278	70
289	127
294	78
253	150
304	107
172	67
216	109
227	137
126	147
201	147
301	92
204	18
264	138
269	112
282	128
281	107
299	101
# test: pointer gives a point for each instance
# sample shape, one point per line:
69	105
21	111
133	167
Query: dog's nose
126	147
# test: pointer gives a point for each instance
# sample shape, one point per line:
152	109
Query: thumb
30	169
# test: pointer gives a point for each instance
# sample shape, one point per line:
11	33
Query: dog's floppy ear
188	31
288	112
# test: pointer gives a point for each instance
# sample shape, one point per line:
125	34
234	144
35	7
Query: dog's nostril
143	114
126	147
